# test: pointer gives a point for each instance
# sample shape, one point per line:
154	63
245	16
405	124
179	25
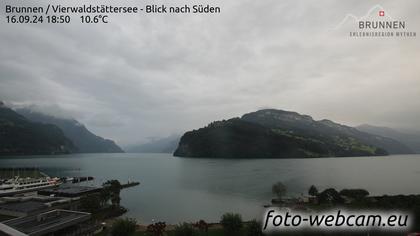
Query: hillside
19	136
304	125
281	134
83	139
412	140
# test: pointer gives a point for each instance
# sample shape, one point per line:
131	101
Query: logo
376	24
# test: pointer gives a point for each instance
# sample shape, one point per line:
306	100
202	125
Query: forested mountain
273	133
83	139
20	136
324	129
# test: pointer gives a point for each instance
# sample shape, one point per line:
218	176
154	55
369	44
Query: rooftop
47	222
24	207
70	191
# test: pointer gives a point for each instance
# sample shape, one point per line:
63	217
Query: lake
176	189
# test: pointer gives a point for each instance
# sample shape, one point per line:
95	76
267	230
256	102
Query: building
19	209
51	223
70	191
51	212
24	206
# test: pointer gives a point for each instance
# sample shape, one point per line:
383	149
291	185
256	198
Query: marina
23	185
34	203
212	187
22	180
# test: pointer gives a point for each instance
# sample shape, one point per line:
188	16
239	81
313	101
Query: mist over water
186	189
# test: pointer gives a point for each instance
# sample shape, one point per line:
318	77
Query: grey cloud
153	75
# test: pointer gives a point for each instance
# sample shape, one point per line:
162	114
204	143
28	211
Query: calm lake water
183	189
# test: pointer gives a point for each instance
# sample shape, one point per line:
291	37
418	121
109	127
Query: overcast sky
144	76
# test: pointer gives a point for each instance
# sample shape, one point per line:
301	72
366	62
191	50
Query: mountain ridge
309	126
20	136
272	133
412	140
84	140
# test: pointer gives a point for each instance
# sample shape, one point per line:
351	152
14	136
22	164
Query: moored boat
23	185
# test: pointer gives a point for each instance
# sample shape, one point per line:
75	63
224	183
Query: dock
130	184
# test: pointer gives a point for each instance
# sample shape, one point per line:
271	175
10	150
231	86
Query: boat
23	185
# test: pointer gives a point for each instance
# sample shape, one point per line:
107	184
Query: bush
232	223
156	229
202	226
123	227
184	229
254	228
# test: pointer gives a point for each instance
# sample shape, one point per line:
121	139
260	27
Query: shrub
254	228
202	226
232	223
123	227
156	229
184	229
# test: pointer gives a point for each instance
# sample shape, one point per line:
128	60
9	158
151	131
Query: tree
123	227
156	229
184	229
112	188
104	196
254	228
232	224
279	189
313	191
330	196
115	200
202	226
90	203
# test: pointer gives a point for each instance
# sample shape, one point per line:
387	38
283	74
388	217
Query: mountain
83	139
306	126
19	136
412	140
163	145
273	133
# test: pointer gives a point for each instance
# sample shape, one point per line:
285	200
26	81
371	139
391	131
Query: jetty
130	184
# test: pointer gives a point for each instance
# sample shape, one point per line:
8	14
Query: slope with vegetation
282	134
20	136
410	139
83	139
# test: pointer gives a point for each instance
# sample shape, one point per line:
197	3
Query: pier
130	184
